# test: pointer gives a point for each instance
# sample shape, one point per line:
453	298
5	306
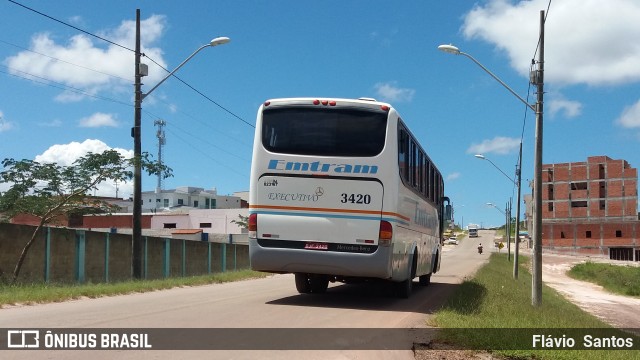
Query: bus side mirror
448	212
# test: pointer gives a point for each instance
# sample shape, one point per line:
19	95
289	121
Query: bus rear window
324	131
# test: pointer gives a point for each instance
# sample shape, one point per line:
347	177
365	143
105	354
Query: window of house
579	185
618	233
166	202
180	202
588	234
578	204
561	234
195	203
205	225
170	225
550	206
157	200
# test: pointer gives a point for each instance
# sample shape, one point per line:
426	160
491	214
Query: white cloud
390	92
4	124
453	176
66	154
80	54
99	120
630	117
578	42
569	108
497	145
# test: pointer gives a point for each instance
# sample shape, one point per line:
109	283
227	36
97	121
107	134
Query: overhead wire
129	49
64	87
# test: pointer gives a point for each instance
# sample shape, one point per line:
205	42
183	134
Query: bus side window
403	153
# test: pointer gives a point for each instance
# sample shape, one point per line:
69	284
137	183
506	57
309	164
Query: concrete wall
82	256
219	221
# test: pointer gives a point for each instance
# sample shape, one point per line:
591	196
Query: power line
71	26
142	54
60	86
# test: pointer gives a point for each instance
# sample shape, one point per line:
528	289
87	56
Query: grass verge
494	311
43	293
624	280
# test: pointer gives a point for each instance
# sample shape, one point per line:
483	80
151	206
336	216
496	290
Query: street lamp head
480	156
490	204
450	49
219	41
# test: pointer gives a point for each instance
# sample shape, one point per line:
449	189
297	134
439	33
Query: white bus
473	230
341	191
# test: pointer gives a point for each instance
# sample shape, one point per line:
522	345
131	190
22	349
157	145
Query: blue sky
63	92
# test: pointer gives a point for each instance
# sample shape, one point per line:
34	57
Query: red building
591	207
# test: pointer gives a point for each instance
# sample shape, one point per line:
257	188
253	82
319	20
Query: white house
188	196
212	221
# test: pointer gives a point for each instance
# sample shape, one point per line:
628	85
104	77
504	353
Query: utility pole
536	278
517	245
508	212
136	254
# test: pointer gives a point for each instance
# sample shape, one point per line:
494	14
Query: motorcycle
480	249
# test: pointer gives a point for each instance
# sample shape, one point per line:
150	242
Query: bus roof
365	102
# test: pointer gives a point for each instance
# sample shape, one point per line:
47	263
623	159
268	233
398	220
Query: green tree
49	190
243	221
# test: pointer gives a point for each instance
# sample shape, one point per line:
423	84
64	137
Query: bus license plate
316	246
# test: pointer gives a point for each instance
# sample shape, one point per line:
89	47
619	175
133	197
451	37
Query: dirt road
616	310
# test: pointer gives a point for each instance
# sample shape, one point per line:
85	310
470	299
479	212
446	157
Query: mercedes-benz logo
319	191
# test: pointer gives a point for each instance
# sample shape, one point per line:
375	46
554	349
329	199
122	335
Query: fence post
184	258
106	257
223	256
166	258
47	255
208	257
80	255
146	258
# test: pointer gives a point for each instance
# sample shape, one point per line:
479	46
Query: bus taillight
252	225
386	233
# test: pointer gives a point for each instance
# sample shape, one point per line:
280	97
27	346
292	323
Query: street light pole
536	279
537	79
480	156
140	71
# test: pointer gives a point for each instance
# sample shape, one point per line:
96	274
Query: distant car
452	241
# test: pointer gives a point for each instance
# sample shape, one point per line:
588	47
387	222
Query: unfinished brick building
591	207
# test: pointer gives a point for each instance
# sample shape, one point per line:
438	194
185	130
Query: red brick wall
630	187
615	168
561	209
561	172
561	191
26	219
614	188
614	207
578	171
594	209
575	235
117	221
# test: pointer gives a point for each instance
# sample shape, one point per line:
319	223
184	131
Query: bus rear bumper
347	264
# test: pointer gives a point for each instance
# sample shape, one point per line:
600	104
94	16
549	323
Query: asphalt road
268	303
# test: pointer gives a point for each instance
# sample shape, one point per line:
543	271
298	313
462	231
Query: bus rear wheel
425	280
311	283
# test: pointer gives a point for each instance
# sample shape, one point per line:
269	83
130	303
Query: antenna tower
162	140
